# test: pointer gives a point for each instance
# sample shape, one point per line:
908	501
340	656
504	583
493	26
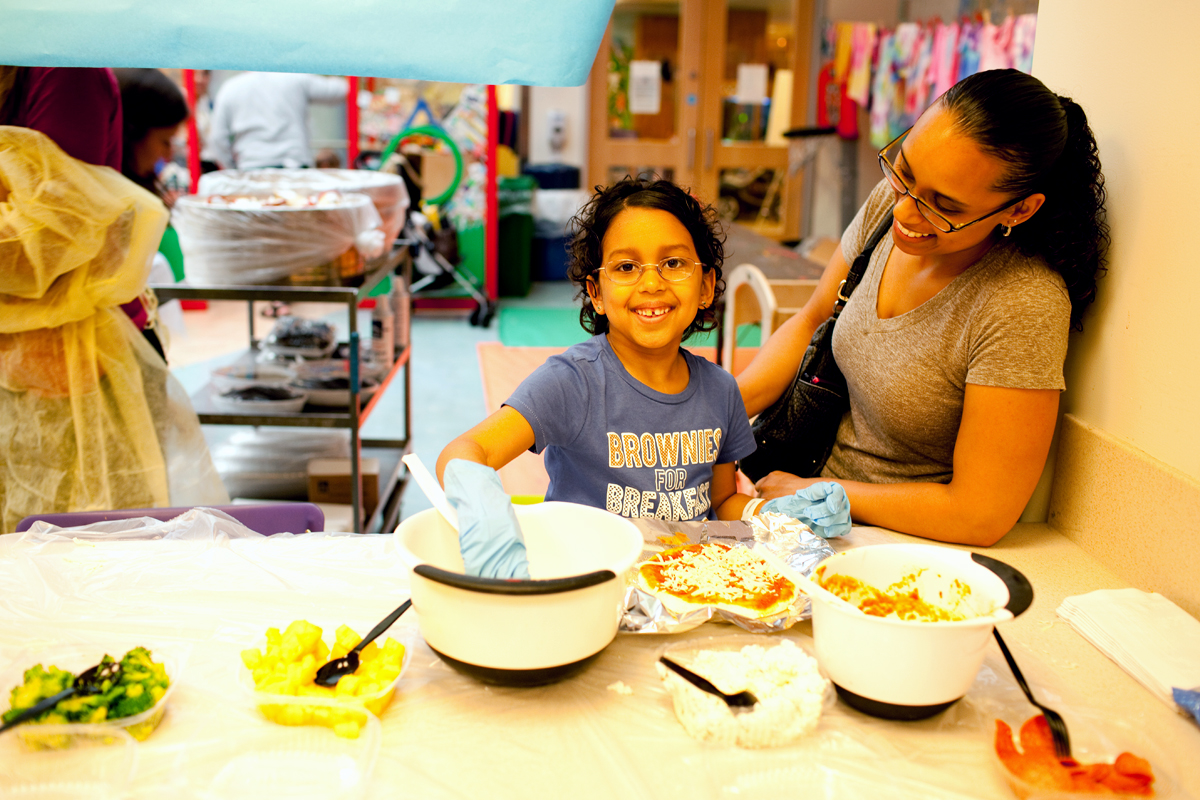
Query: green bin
514	198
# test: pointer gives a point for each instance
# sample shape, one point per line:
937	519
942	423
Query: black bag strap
859	267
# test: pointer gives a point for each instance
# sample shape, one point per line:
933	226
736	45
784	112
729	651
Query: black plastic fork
1058	728
739	701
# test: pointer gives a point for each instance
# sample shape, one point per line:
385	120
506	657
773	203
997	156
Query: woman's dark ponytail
1045	141
1069	231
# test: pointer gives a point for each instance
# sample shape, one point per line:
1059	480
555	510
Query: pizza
732	579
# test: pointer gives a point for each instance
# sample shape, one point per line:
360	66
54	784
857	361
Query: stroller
434	257
435	252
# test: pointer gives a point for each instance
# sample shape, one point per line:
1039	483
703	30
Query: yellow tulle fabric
90	417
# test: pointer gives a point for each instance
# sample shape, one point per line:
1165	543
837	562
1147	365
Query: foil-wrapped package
790	540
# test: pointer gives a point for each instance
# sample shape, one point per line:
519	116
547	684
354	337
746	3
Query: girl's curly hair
593	220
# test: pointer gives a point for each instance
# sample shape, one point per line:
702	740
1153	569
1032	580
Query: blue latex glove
1188	700
823	507
488	533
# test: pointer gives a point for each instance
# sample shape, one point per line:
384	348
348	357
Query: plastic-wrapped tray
327	382
328	711
75	659
254	761
298	337
234	401
96	764
242	376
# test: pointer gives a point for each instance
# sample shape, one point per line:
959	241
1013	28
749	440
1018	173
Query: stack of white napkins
1151	638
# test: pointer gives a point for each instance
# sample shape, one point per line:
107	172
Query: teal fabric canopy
534	42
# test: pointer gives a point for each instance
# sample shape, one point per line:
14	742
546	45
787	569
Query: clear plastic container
328	711
1095	738
243	376
75	659
780	717
315	378
232	404
261	761
97	764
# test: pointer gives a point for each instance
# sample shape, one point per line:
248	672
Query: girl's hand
782	484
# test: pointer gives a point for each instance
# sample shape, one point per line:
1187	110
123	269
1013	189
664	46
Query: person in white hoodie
260	119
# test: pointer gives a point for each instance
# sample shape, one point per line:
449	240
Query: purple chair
264	518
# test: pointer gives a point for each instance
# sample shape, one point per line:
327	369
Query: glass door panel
755	56
644	89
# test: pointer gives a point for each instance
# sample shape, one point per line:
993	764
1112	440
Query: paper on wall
751	84
645	87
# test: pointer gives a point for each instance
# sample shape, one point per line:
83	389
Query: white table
446	736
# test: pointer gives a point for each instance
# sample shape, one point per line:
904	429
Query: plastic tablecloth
445	735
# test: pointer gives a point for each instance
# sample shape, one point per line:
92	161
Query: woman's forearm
936	511
944	512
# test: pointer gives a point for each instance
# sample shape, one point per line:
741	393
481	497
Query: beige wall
1135	371
573	101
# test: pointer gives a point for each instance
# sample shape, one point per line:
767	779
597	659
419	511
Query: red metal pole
189	82
491	268
352	122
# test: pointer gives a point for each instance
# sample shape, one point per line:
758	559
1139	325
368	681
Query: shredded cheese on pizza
716	573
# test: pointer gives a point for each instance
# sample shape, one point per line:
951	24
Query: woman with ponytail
953	343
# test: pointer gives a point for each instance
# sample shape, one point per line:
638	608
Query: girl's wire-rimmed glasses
931	215
626	272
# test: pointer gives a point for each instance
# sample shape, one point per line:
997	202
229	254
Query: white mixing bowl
902	669
523	632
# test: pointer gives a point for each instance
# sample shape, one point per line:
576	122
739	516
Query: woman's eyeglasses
931	215
672	269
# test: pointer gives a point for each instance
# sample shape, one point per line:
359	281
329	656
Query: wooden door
704	135
637	127
743	159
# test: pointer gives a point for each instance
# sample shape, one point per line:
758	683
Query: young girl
628	420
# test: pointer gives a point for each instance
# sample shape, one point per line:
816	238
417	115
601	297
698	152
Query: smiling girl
630	421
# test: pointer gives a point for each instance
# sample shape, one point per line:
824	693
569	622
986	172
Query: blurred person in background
154	109
203	111
260	119
78	108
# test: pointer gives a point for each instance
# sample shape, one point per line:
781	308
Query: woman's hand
782	484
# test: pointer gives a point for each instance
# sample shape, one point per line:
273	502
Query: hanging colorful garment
943	70
994	42
884	101
1021	49
968	50
843	51
916	88
858	84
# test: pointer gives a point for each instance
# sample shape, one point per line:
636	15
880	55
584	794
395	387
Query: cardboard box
329	482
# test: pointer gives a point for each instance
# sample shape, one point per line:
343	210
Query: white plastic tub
523	632
907	669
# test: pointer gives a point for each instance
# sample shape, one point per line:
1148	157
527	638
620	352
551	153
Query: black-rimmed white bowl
523	632
908	669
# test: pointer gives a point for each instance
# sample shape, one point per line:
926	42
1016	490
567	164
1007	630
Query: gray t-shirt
613	442
1002	322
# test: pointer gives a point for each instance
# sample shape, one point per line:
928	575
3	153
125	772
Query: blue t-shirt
612	442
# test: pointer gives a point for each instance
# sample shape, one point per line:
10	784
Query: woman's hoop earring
1007	230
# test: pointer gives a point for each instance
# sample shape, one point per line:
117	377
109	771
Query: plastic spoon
87	682
338	668
431	488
